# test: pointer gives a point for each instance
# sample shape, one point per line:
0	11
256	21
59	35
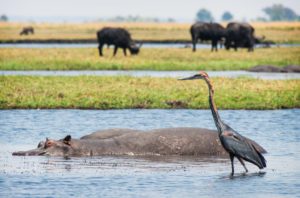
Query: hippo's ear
67	140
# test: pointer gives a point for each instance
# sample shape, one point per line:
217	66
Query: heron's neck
213	107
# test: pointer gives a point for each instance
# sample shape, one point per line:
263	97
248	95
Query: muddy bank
275	69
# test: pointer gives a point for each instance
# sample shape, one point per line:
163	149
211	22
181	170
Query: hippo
168	141
291	69
265	68
271	68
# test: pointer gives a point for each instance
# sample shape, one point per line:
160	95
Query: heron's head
200	75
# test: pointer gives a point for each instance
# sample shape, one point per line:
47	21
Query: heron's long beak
191	77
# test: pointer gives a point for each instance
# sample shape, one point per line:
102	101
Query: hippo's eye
48	144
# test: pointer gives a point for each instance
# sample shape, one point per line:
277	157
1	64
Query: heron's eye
203	74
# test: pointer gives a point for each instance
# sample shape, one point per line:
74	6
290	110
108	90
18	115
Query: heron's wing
257	147
240	147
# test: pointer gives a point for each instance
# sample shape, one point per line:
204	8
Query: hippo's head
50	148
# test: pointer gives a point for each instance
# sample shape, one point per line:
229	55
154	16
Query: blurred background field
279	32
165	59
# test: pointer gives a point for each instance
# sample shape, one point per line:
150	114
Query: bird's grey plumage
235	144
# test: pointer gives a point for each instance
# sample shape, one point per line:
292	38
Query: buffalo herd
213	32
234	35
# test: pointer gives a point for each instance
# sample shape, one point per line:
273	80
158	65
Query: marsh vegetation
148	59
91	92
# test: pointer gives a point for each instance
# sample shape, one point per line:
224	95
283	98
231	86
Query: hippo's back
173	141
108	133
166	141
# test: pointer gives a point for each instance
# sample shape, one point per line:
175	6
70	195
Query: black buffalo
213	32
119	37
240	35
27	30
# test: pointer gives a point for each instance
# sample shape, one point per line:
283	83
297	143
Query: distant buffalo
119	37
213	32
240	35
27	30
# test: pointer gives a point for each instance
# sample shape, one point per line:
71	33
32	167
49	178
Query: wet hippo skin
168	141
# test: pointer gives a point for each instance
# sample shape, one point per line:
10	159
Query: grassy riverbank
148	59
86	92
279	32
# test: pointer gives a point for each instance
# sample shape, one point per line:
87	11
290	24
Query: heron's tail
263	161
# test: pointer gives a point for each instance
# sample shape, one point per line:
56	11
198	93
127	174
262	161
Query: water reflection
244	175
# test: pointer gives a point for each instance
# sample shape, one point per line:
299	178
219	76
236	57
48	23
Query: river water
145	45
160	74
278	131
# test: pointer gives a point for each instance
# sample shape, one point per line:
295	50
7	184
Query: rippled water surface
278	131
159	74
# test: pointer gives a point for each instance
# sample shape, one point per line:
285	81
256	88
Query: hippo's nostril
16	153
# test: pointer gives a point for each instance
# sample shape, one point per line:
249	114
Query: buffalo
119	37
27	30
213	32
239	35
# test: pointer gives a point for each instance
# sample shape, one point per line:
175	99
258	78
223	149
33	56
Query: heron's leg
232	166
243	163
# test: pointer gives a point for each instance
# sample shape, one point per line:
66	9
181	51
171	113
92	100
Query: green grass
148	59
86	92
